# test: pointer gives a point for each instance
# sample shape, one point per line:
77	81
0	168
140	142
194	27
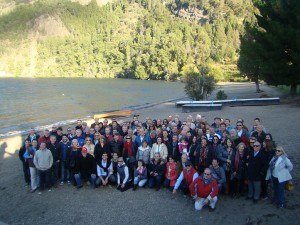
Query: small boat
124	113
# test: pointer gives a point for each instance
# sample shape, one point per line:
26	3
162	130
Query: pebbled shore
66	205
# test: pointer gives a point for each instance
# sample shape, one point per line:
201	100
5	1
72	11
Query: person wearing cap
279	172
85	168
122	175
204	189
186	177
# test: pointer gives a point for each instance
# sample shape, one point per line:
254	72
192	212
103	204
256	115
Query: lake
39	102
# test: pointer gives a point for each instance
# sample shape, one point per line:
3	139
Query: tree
249	62
278	35
198	85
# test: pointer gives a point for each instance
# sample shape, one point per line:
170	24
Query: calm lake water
40	102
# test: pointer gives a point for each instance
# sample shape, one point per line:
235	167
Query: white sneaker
40	192
49	190
69	182
62	183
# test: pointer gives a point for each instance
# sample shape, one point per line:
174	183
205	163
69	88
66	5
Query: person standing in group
257	166
65	147
56	153
43	161
23	149
279	172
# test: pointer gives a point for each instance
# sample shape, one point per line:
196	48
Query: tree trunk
293	90
257	87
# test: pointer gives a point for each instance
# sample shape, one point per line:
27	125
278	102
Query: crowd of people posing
198	158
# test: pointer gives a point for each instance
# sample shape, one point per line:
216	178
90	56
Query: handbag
289	186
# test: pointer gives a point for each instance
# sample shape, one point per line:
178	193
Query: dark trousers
155	181
55	170
45	176
26	172
184	187
125	188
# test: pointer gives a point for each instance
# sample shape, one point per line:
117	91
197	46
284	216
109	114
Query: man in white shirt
105	171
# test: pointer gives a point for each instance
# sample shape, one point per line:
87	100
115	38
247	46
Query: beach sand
66	205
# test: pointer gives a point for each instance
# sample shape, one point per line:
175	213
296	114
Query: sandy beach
67	205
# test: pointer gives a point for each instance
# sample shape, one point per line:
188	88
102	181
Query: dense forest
142	39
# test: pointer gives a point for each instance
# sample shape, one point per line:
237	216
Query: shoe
255	201
280	206
40	192
88	183
157	189
62	183
264	198
211	209
78	187
69	182
33	190
49	190
134	187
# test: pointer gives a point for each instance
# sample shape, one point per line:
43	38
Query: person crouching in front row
204	189
85	168
122	175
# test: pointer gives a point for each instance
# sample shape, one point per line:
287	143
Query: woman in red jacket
170	174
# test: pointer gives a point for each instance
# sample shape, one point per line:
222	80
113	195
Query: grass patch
286	89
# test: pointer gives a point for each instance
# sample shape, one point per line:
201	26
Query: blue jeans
254	188
64	171
278	196
91	177
155	181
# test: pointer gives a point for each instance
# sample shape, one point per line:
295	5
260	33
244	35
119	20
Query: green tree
199	85
278	35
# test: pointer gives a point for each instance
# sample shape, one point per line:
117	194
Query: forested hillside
142	39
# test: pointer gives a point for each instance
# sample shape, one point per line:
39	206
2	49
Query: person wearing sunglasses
204	189
279	172
257	167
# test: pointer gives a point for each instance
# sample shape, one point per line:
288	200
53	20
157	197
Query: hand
30	156
206	201
162	163
174	191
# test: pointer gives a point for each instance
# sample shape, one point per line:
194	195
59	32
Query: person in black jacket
116	145
25	164
54	147
85	168
257	167
156	171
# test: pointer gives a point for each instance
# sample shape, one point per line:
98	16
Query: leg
33	176
135	180
280	193
257	189
112	179
213	201
199	203
184	187
26	173
126	187
142	182
250	189
62	172
48	178
42	179
167	183
78	180
158	179
151	182
93	180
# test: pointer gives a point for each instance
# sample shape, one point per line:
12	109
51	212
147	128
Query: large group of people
190	155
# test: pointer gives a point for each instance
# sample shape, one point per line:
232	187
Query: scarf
238	157
203	155
128	148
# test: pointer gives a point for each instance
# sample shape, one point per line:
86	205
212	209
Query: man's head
64	138
207	174
43	146
34	143
156	157
78	132
46	133
215	163
27	142
53	139
104	156
184	158
188	165
256	146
